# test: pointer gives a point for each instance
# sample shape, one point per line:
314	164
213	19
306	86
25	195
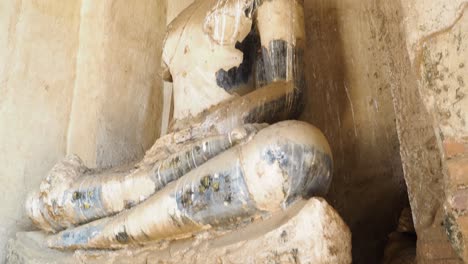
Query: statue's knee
43	207
287	161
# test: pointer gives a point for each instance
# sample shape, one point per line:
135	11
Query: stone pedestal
310	232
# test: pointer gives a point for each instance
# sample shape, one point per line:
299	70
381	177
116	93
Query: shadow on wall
350	100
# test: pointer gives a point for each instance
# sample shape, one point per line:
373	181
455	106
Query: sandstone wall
362	56
117	90
37	72
350	78
75	77
438	48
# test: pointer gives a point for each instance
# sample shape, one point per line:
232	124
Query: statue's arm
280	24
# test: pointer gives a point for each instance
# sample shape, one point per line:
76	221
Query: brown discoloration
454	147
459	201
457	170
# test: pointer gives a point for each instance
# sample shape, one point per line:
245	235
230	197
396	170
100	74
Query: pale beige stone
442	84
437	46
175	7
118	87
310	232
423	18
46	52
443	71
38	47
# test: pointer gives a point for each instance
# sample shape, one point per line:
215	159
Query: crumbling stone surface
310	232
420	156
431	109
442	75
349	98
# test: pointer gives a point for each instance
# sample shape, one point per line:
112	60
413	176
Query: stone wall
75	77
350	78
117	90
438	49
37	72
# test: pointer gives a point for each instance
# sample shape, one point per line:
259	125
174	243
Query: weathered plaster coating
37	71
441	73
444	76
436	44
424	18
349	98
117	93
47	49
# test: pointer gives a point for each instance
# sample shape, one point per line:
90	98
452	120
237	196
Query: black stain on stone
277	60
238	76
453	233
122	237
223	201
186	198
205	182
288	106
284	236
129	204
307	168
77	196
274	65
273	155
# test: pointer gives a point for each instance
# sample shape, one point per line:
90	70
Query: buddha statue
234	153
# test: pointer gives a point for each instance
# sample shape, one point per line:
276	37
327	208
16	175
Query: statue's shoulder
175	30
184	17
209	17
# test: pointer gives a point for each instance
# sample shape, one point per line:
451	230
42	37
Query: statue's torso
201	53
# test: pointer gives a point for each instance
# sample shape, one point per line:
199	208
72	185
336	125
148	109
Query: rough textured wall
418	147
118	85
37	63
100	58
438	48
350	79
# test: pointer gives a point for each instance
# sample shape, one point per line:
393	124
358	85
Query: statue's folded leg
282	163
71	196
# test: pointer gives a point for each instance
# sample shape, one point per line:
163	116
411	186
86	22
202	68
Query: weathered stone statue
236	66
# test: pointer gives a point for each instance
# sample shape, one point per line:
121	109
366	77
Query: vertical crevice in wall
117	102
349	99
